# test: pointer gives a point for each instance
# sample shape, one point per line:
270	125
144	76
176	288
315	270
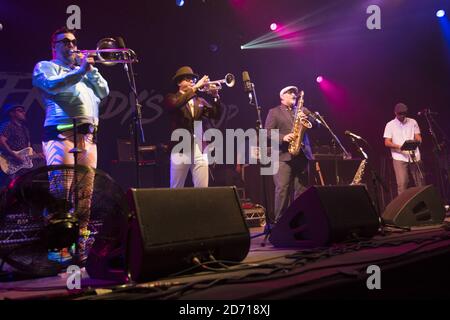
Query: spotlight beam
301	24
283	43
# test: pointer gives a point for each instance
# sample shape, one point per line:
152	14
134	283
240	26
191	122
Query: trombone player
186	110
71	87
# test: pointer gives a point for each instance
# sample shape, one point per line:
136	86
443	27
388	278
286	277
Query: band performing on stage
143	181
72	90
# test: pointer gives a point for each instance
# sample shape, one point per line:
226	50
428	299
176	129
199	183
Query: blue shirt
68	93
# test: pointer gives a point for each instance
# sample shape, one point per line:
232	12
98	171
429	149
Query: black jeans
291	176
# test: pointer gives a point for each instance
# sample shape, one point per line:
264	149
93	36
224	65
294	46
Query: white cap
284	90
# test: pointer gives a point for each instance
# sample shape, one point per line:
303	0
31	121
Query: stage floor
412	264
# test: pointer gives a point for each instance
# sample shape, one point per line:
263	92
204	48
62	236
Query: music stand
411	146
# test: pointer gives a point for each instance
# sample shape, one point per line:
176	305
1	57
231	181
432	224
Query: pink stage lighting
319	79
273	26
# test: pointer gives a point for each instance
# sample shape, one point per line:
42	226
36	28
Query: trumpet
229	81
108	53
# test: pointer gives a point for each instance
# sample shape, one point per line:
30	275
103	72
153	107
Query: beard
68	57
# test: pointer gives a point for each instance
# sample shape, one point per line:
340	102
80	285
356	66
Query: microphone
425	112
313	115
248	86
351	134
307	112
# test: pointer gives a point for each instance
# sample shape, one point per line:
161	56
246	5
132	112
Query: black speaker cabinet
124	173
171	227
324	215
417	206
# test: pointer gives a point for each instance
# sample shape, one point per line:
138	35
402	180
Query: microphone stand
75	151
439	149
373	175
377	181
137	117
347	155
254	102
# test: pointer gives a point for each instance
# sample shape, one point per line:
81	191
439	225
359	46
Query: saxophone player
292	168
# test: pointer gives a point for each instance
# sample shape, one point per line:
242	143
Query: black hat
400	108
184	72
7	108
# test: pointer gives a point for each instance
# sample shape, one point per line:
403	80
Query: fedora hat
183	72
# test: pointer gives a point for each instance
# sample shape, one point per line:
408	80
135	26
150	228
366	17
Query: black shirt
17	135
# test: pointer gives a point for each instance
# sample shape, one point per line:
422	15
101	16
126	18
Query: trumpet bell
230	80
105	55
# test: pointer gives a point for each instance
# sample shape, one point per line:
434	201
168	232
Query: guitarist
14	136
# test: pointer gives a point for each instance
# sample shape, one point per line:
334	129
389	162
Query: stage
412	264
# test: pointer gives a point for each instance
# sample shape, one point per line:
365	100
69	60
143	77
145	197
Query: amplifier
254	214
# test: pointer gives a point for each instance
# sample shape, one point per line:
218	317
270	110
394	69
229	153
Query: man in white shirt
396	132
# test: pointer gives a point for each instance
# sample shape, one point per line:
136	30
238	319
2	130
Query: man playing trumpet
186	111
71	88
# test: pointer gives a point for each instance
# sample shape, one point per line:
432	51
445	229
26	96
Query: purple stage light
213	47
319	79
273	26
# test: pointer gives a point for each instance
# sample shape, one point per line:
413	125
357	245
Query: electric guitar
10	167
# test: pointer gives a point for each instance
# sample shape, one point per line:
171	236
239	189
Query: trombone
229	81
108	53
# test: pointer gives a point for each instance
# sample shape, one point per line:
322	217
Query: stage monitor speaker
324	215
172	227
417	206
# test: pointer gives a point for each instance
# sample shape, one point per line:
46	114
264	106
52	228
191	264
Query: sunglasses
66	41
188	79
402	113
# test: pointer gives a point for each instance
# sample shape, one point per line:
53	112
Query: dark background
406	61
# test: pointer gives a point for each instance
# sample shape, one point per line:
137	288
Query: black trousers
291	177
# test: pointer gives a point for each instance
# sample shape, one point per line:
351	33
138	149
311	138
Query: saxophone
301	124
359	173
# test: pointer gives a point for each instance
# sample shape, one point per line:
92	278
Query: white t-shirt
400	132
